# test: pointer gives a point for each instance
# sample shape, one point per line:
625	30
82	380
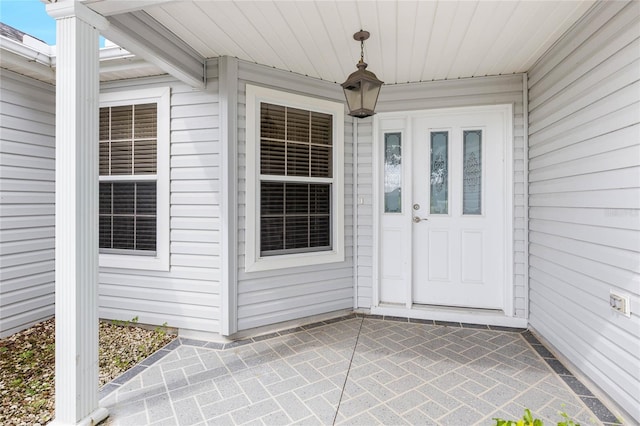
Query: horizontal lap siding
27	202
188	295
434	95
270	297
585	197
364	206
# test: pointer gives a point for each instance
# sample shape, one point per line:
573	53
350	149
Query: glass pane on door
392	173
472	172
439	170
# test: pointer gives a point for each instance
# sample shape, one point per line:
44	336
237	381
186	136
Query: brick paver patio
354	370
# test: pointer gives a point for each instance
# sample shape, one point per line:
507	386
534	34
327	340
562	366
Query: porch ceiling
410	40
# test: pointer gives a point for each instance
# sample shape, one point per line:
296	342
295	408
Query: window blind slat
104	124
104	158
321	161
298	122
272	231
297	159
106	231
272	158
297	232
124	198
145	233
123	227
272	121
321	128
121	122
145	119
146	157
121	159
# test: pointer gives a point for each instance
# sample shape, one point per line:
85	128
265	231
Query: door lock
417	219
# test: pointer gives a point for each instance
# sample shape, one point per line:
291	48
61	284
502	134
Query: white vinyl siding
584	172
27	202
268	297
186	296
433	95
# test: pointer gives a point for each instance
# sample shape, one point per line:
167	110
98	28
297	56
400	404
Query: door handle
417	219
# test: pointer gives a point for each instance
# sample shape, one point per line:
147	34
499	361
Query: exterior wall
432	95
585	197
188	295
270	297
27	201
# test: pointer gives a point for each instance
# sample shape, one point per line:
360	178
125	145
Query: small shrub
528	420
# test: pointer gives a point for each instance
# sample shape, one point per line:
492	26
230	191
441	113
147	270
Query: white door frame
394	121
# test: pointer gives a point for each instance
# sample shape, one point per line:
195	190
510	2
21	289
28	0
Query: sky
29	16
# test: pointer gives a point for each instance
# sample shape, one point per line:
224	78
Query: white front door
458	209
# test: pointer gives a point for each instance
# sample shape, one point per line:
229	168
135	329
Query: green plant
567	421
38	404
120	363
26	355
125	323
528	420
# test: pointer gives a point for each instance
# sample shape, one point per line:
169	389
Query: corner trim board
228	92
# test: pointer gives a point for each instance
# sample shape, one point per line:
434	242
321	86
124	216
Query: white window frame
255	95
159	262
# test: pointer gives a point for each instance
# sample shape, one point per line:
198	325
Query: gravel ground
27	365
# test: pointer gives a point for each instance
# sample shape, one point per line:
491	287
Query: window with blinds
296	161
128	174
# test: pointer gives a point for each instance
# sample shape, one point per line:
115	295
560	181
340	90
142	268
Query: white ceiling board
521	24
463	16
410	40
230	19
185	30
283	42
406	39
550	27
485	33
443	26
422	39
339	36
387	34
321	64
325	49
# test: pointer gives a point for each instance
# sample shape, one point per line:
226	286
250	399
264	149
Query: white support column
228	90
77	95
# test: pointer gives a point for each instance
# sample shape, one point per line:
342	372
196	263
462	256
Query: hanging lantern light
362	87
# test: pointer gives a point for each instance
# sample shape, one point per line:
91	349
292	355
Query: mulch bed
27	365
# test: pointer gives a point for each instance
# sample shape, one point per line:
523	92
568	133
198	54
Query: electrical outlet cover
620	303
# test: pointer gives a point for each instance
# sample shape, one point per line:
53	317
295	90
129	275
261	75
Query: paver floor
354	370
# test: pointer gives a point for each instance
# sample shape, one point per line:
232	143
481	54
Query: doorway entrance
445	208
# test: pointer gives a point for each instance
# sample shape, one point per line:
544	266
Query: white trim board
437	313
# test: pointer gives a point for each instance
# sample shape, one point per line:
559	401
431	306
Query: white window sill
123	261
268	263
